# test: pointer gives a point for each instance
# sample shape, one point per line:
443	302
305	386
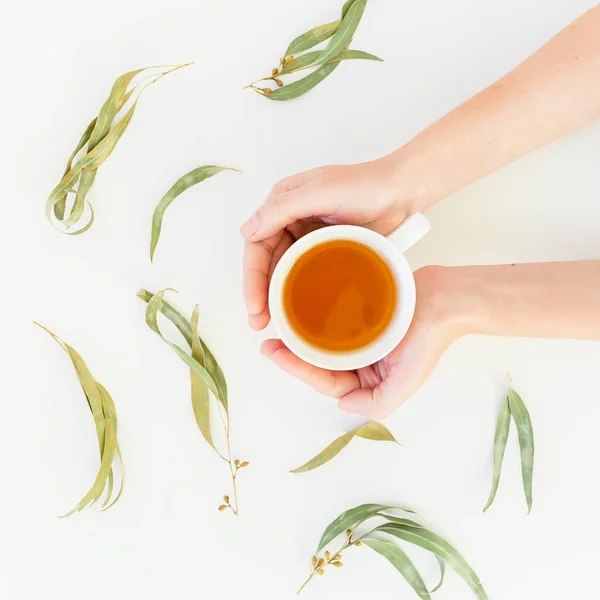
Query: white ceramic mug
391	249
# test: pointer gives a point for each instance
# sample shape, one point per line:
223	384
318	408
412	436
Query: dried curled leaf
370	431
312	37
105	418
101	137
514	408
183	183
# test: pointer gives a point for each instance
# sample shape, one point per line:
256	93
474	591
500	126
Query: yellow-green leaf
183	183
370	431
298	88
500	439
307	60
105	418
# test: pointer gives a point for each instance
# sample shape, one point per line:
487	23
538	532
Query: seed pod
359	543
337	564
236	462
222	508
266	91
321	572
320	563
348	532
274	72
337	557
244	464
278	82
327	555
314	561
226	499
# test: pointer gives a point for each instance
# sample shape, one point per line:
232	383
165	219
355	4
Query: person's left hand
376	391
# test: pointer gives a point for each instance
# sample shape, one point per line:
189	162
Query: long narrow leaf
312	37
371	431
183	183
500	439
307	60
399	559
522	420
428	540
298	88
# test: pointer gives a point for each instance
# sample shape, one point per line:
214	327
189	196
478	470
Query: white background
165	539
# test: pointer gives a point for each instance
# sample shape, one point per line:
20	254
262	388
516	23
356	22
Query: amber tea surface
340	296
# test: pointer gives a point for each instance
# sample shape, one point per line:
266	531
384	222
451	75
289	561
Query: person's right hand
366	194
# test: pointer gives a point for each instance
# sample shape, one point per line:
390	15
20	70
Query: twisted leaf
428	540
300	87
307	60
183	183
370	431
522	420
105	419
500	439
400	560
312	37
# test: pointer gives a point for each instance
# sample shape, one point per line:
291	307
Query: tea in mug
340	296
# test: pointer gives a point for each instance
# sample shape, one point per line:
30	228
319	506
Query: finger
256	271
329	383
313	199
295	181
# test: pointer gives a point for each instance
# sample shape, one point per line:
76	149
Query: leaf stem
232	469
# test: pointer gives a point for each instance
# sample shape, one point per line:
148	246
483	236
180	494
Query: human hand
377	390
367	194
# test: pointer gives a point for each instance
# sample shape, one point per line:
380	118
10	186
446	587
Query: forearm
552	93
546	300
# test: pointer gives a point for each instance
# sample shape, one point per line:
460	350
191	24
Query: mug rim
381	346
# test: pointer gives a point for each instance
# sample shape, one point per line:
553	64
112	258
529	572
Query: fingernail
250	227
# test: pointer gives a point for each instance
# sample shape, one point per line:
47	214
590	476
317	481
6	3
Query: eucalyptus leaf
151	320
101	138
522	420
343	36
183	183
311	38
500	439
428	540
307	60
370	431
298	88
200	393
399	559
184	327
442	566
105	418
350	519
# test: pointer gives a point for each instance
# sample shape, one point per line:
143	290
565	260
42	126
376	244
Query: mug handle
410	231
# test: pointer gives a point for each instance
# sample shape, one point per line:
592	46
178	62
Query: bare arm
554	92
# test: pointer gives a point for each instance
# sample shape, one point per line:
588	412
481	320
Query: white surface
404	283
165	538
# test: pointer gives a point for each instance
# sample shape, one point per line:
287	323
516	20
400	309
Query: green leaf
307	60
200	394
101	141
311	38
300	87
59	207
500	439
343	36
400	560
442	566
182	184
346	8
370	431
522	420
428	540
105	418
151	320
350	519
184	327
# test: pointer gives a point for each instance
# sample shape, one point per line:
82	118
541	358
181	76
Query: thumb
313	199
